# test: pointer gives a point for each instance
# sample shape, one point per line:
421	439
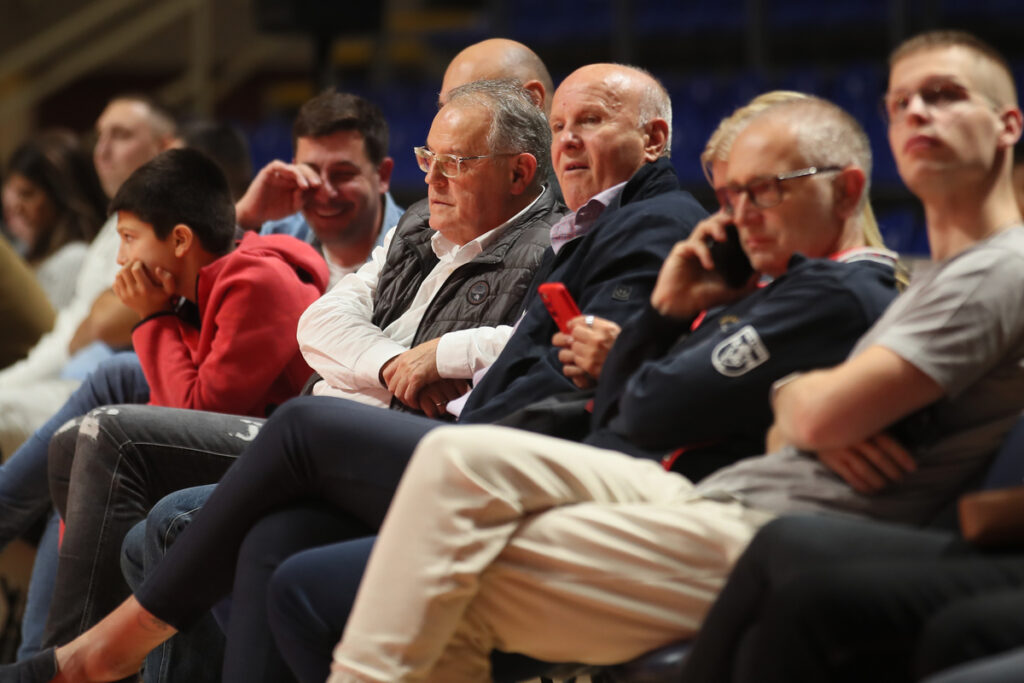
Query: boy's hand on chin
145	292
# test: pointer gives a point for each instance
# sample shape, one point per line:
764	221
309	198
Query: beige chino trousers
499	538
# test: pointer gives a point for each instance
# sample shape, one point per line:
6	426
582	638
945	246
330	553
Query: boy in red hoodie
217	330
176	243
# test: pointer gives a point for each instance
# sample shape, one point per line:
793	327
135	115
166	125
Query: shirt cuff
373	359
452	355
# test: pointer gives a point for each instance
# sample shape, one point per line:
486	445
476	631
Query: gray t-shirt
961	322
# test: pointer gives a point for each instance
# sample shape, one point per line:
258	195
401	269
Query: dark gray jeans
122	460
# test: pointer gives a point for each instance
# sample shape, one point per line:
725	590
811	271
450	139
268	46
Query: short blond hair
720	142
841	128
933	40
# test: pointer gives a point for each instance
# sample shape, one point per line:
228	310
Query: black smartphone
731	261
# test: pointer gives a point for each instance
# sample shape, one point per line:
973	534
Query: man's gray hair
655	103
826	135
517	123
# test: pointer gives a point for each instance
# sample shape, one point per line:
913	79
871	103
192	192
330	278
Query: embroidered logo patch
478	292
621	293
740	353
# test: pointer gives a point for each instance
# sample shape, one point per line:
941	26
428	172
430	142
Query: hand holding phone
702	272
559	303
731	261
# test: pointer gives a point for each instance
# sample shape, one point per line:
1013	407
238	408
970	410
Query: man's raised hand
687	282
278	190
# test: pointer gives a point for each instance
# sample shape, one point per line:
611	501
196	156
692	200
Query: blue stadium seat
661	17
810	80
695	113
982	10
409	110
270	140
813	13
536	22
664	665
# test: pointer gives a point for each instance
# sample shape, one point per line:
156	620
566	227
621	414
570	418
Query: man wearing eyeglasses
436	303
697	388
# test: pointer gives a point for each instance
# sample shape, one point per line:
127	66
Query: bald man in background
497	58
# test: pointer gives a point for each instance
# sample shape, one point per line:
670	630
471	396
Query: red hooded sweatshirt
243	358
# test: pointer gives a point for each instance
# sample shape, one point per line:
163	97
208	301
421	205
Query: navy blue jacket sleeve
645	336
714	384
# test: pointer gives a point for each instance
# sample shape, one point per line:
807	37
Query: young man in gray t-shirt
961	325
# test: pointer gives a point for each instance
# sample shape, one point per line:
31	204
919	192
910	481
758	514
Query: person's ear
655	139
170	142
849	186
523	168
182	239
1010	131
537	92
384	173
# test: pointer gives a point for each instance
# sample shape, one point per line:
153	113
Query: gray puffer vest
487	291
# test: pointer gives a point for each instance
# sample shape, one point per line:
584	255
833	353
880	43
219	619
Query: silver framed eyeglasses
764	193
448	164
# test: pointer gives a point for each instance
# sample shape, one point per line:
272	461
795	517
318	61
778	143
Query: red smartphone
559	303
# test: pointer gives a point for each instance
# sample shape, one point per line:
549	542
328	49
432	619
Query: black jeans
832	599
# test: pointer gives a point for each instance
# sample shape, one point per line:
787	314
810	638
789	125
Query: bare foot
114	648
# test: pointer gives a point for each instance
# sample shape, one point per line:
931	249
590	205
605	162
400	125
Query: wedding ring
589	321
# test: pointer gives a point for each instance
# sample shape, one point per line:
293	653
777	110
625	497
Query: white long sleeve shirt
339	341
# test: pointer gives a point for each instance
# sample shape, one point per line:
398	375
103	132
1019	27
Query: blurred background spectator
53	207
